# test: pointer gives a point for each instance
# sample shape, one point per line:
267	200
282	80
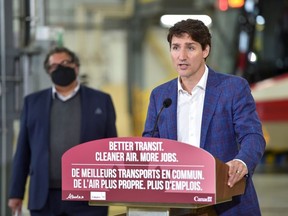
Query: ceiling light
170	20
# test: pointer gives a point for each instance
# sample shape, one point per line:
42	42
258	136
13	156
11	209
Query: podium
150	176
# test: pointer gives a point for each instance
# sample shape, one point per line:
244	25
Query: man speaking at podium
210	110
53	121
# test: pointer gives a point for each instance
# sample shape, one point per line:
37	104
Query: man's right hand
15	204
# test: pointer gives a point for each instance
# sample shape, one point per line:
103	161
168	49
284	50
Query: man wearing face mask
54	120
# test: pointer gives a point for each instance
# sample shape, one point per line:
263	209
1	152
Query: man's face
60	59
187	56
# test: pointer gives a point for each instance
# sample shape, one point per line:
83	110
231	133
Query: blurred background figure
53	121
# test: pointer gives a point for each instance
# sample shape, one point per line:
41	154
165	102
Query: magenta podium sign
138	170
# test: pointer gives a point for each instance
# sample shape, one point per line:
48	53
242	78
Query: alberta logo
72	196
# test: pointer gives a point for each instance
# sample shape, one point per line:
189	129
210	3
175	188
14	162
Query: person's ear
206	52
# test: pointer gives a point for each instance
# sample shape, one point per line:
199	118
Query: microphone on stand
166	103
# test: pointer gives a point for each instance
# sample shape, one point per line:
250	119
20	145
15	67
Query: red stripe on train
276	110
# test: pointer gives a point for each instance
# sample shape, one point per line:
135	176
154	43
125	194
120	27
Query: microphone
166	103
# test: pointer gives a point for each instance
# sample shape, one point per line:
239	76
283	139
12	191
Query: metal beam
7	93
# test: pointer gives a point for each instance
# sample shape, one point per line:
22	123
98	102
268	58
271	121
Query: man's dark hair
73	56
196	29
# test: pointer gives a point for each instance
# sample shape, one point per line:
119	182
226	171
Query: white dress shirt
190	110
64	98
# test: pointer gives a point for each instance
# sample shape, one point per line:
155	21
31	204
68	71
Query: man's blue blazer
230	129
32	155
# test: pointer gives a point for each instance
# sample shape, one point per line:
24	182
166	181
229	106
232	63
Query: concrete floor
272	190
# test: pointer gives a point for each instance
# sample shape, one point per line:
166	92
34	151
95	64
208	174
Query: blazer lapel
46	113
171	125
84	108
211	99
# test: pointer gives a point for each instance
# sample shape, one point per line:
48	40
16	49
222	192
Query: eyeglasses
52	67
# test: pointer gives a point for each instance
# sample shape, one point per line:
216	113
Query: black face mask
63	76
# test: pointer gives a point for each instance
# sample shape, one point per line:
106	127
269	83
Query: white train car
271	97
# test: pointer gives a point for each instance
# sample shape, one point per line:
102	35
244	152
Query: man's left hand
237	170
